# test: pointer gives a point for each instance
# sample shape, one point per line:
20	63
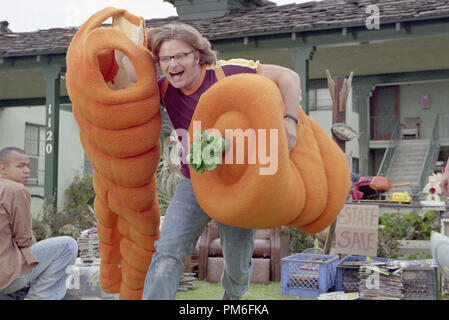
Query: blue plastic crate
308	275
419	279
348	276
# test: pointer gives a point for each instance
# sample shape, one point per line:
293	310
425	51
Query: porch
407	159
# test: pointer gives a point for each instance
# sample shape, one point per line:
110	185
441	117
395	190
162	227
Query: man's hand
290	130
444	184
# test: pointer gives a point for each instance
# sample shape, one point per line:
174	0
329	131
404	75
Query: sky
33	15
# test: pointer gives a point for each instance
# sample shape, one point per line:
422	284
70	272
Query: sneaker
226	296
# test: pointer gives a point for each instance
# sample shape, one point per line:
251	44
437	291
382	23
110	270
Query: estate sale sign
356	231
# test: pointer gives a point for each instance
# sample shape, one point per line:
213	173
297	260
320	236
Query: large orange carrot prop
306	188
119	125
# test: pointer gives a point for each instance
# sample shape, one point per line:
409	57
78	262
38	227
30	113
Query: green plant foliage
411	226
81	192
394	227
388	243
167	179
300	241
76	215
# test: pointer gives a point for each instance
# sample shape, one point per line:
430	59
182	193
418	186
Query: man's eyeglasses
178	57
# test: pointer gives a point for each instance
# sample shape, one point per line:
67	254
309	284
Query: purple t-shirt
180	106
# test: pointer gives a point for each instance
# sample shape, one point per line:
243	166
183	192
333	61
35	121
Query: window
320	99
35	149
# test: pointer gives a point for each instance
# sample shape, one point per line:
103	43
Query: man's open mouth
176	76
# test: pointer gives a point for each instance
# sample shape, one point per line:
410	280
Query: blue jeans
184	221
48	279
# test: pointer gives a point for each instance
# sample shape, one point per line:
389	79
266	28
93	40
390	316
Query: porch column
301	57
361	93
52	76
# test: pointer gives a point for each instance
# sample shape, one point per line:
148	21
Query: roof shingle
266	19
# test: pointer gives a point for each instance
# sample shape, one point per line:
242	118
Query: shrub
411	226
168	172
77	213
394	227
300	241
388	243
167	179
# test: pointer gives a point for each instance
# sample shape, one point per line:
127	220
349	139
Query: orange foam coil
120	133
306	189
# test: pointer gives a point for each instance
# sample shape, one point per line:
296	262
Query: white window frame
37	155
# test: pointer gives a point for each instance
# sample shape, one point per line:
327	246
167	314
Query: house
397	50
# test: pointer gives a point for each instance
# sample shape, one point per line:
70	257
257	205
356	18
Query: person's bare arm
288	82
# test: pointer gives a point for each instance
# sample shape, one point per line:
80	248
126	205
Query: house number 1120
49	133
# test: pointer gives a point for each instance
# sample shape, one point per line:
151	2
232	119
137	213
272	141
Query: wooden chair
270	247
410	127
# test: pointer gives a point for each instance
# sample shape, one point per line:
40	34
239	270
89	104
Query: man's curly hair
184	32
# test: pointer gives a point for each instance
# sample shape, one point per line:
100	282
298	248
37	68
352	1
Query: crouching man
42	265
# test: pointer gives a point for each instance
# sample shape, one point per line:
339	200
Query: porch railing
440	130
443	123
434	147
389	152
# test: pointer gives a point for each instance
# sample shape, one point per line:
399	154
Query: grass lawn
213	291
272	291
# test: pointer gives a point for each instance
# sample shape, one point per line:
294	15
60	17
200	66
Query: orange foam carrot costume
119	125
306	188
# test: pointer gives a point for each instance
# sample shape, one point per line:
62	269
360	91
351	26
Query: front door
384	111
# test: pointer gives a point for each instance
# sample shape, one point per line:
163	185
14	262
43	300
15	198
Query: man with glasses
189	67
